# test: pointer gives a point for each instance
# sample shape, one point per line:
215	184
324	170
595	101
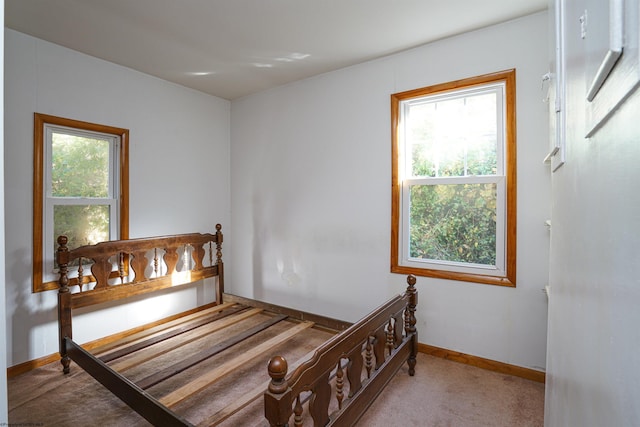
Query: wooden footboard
348	372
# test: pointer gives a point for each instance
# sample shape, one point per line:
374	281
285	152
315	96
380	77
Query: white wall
311	199
179	175
593	371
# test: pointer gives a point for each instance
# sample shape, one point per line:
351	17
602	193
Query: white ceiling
232	48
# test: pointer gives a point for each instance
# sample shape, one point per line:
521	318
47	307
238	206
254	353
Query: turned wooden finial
62	247
62	259
277	369
413	293
411	280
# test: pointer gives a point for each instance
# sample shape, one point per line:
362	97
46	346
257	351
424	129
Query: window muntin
454	180
80	188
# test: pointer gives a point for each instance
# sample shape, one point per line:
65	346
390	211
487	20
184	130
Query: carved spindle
121	267
210	254
171	258
319	403
155	261
354	370
389	332
339	384
219	264
410	322
101	270
197	255
297	410
80	274
368	355
398	329
219	244
138	266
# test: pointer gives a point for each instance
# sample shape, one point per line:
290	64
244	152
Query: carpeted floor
450	394
441	394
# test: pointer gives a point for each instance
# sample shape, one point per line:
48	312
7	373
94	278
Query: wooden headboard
120	269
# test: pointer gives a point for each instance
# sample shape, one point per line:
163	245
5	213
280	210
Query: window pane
83	225
482	123
80	166
453	137
453	222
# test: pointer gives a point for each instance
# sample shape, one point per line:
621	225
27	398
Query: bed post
220	264
277	399
410	322
64	302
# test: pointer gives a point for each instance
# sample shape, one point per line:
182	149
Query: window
81	189
454	180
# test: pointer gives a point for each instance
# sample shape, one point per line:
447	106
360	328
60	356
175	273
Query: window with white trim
454	180
80	189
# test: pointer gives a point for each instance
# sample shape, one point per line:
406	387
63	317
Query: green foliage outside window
454	223
80	166
80	169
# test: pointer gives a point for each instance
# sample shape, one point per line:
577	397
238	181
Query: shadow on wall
289	281
26	309
277	260
280	274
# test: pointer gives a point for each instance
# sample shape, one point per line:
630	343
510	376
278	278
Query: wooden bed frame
340	380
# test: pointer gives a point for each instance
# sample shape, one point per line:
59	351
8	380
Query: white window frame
498	179
112	200
503	272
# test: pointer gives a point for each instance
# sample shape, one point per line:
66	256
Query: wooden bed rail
119	269
349	371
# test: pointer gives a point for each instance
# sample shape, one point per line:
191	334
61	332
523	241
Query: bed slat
165	336
145	332
122	365
176	368
205	380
